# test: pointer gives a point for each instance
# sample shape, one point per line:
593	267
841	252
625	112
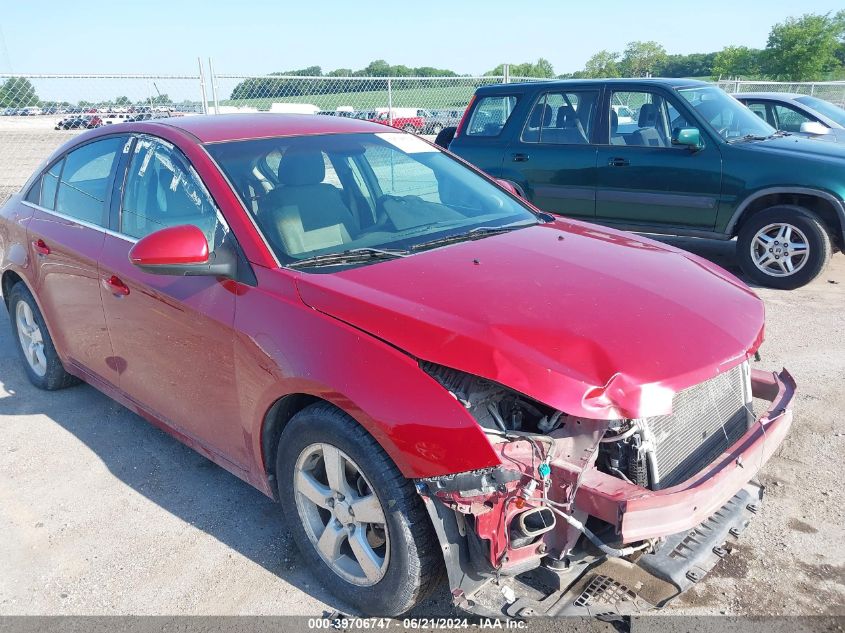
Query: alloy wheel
342	515
31	339
780	249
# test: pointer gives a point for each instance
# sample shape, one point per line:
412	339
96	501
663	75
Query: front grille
706	419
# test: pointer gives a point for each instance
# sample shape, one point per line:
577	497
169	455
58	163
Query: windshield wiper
749	137
353	255
473	234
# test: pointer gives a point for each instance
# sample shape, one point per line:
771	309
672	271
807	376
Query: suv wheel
436	128
359	524
35	347
410	128
783	247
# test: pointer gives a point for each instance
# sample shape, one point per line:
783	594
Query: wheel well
818	205
10	278
275	421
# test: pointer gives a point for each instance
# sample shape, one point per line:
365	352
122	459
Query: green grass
414	97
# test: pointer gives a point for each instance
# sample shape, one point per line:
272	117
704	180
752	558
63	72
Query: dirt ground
103	514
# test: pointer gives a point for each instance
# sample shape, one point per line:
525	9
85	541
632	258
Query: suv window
562	118
642	118
490	115
162	190
84	184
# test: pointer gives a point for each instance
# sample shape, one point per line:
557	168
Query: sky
261	36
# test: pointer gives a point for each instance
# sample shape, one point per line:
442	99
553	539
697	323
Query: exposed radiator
706	419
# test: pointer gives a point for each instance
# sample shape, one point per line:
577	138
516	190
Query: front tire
783	247
359	524
35	347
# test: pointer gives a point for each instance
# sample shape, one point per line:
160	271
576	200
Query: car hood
819	147
590	321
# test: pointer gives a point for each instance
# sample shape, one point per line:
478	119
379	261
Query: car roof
669	82
787	96
230	127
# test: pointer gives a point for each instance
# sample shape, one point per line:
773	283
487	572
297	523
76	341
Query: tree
602	64
161	99
642	59
542	68
692	65
805	48
736	61
17	92
122	101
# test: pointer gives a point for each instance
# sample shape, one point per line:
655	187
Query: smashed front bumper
693	524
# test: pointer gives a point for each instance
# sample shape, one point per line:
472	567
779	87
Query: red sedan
428	373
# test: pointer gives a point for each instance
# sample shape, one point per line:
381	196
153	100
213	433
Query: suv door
173	338
553	156
643	178
66	234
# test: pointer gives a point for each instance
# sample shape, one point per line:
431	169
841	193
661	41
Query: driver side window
643	118
162	190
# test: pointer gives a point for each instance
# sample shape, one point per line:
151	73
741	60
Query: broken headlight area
588	516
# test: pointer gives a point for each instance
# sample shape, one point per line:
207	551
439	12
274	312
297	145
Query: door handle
115	286
519	158
40	247
618	162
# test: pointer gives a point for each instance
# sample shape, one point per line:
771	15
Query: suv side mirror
687	136
813	127
182	250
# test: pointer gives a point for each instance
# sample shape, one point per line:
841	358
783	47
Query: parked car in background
407	121
696	163
86	122
797	113
437	120
496	360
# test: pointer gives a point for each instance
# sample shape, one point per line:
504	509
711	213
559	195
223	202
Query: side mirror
814	127
181	250
507	186
688	136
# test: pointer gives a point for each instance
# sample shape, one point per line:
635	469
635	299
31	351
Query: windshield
826	108
335	193
728	117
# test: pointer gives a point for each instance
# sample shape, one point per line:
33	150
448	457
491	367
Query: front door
643	179
172	336
66	234
554	154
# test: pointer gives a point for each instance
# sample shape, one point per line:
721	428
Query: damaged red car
432	377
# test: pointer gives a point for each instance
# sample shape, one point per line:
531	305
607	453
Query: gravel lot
103	514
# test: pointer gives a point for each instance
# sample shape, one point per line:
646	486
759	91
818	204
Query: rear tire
35	347
784	246
402	556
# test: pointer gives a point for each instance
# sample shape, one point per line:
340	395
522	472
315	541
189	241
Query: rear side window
83	188
562	118
490	115
43	192
162	190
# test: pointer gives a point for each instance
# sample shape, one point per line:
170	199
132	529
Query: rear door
173	338
554	154
483	139
643	179
66	233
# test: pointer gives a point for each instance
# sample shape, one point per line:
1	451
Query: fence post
202	88
506	71
213	81
812	88
389	102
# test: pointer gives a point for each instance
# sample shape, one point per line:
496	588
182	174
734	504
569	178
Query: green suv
669	156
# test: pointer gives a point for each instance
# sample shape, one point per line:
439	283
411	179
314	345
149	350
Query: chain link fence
39	112
833	91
